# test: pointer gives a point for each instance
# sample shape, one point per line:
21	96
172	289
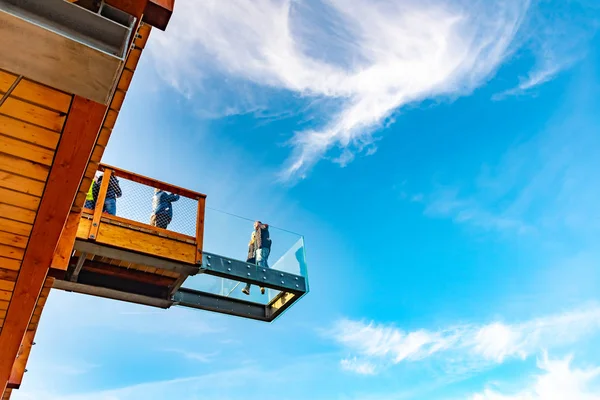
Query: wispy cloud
472	344
190	355
358	366
368	59
558	380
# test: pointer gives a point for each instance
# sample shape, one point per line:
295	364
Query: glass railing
229	236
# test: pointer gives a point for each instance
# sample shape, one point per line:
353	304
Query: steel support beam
224	267
216	303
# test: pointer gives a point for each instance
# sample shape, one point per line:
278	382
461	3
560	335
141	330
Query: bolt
296	278
33	344
95	224
265	278
25	370
248	267
297	286
228	261
282	282
92	236
228	269
208	257
264	270
208	264
281	274
248	273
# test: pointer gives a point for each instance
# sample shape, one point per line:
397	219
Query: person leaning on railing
112	194
162	208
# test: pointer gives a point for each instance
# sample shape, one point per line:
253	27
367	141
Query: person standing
262	249
112	194
162	208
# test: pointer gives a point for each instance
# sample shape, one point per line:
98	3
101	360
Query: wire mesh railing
146	201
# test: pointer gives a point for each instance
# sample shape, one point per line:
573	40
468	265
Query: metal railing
146	204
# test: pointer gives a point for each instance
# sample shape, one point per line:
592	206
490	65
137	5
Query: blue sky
441	160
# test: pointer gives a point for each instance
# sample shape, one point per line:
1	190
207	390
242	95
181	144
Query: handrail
98	213
152	182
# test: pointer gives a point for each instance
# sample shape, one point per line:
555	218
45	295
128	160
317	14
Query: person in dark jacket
162	208
112	194
262	248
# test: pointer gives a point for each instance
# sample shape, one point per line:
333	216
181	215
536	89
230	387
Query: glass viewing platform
148	242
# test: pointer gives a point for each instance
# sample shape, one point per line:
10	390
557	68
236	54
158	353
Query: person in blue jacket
162	208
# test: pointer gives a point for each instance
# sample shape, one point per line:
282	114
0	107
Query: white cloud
558	381
369	57
358	366
490	344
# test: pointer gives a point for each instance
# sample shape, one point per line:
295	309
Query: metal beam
112	294
135	258
80	261
224	267
225	305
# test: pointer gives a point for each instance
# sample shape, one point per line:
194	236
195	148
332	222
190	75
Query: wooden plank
129	239
11	252
19	199
18	370
26	150
104	136
56	60
117	101
5	295
147	228
10	264
4	305
36	93
100	204
158	13
132	60
21	184
111	119
76	144
24	168
142	36
8	275
28	112
64	249
17	213
97	153
125	81
7	285
10	239
28	132
11	226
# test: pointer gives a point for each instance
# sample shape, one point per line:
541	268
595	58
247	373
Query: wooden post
100	204
70	161
18	370
200	229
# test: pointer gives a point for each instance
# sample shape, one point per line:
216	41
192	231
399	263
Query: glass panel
137	203
229	235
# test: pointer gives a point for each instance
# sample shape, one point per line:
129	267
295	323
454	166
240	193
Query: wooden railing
97	214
